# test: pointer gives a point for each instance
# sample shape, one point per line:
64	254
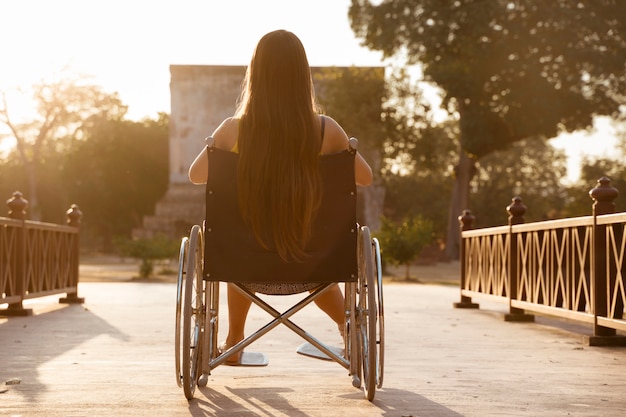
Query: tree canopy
531	169
513	69
117	174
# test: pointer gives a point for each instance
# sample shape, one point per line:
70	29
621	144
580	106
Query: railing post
17	210
17	206
466	222
603	195
516	211
74	216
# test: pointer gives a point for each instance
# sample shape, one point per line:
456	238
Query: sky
127	46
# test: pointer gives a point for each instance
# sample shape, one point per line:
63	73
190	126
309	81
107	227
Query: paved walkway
113	356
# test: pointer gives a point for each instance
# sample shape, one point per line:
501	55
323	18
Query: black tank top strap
323	125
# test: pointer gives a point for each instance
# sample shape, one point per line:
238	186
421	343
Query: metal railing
37	259
571	268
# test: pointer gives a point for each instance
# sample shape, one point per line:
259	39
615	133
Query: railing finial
603	195
17	206
74	215
516	211
466	220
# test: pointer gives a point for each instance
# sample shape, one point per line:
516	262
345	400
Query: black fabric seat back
232	253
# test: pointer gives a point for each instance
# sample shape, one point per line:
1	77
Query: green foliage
531	169
352	96
403	242
511	69
410	194
116	174
147	250
580	203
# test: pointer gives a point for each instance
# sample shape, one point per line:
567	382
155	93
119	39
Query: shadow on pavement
28	343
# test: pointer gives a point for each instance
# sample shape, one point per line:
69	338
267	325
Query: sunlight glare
599	142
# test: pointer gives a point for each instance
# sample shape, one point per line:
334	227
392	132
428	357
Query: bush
148	251
403	242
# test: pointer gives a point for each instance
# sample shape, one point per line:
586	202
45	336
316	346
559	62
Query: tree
403	242
148	251
510	69
117	173
62	108
420	172
531	169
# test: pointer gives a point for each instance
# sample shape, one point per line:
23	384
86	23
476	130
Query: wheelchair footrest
253	359
311	351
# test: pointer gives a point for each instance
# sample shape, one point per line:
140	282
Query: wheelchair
341	252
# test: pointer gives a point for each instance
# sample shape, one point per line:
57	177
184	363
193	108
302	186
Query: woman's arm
336	140
199	169
362	171
225	137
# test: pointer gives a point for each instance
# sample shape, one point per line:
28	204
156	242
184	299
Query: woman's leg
331	303
238	307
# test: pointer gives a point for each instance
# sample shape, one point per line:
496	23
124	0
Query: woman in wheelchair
279	134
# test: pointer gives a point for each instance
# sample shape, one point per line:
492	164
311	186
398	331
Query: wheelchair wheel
193	313
367	315
182	270
380	335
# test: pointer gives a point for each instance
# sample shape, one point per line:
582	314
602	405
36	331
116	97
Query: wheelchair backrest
233	254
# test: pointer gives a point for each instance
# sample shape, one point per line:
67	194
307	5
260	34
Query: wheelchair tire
368	314
193	313
182	271
380	335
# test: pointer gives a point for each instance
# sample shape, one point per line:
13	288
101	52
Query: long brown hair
279	145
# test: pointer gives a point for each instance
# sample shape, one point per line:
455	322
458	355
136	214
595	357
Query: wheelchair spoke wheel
193	314
380	335
182	271
368	314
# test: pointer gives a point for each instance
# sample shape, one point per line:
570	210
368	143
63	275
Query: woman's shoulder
226	134
335	138
229	124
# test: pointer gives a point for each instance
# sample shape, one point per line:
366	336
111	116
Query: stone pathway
114	356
